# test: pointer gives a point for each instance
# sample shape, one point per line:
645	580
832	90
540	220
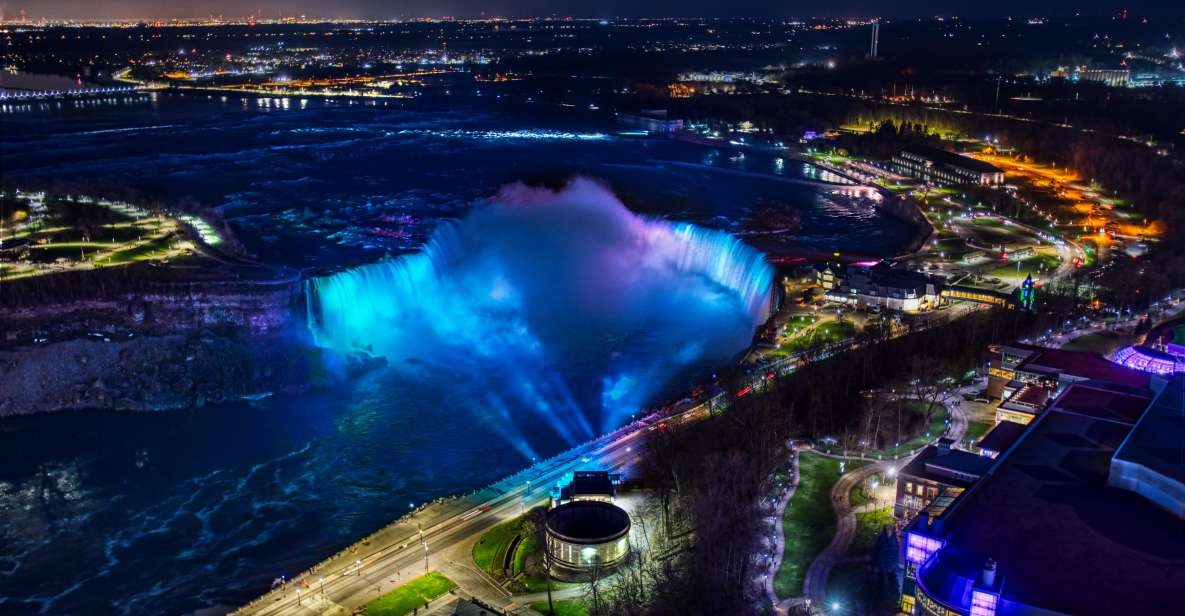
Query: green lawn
830	331
491	548
868	526
412	595
489	553
976	430
893	186
799	323
565	607
1033	266
809	521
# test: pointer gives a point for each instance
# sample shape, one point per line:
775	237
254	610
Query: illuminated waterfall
540	290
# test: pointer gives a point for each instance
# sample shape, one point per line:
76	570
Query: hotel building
942	167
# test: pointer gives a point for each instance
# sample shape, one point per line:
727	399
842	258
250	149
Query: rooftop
1158	440
1063	539
883	275
1080	364
946	157
1028	395
943	465
1002	436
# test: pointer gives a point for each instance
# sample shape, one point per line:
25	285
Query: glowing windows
919	548
983	603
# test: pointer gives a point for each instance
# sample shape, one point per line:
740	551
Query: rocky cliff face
242	308
157	372
164	350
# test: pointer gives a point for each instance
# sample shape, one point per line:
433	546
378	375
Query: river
175	512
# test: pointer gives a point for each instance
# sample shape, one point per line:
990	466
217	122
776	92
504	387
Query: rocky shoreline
154	373
168	347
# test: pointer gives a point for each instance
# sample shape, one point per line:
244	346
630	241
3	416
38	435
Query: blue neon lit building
1048	530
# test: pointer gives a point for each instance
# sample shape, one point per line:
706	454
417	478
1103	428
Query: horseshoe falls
558	313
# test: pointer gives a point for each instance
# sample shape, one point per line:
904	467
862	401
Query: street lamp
425	544
322	588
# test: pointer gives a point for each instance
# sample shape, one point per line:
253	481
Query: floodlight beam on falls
538	293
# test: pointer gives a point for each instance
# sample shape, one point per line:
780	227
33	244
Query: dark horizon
472	9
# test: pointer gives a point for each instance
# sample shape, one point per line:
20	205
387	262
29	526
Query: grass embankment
869	525
831	331
410	596
976	430
809	521
565	607
1033	266
490	554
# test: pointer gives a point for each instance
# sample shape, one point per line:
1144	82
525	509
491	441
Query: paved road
402	559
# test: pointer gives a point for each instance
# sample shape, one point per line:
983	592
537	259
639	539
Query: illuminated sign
933	608
1002	373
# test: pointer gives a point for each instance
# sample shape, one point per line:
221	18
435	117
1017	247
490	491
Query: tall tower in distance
876	34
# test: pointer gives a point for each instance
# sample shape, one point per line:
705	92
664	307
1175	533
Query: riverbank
153	338
166	372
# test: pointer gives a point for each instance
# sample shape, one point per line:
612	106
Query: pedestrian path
836	552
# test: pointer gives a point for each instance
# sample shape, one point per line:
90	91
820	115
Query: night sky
90	9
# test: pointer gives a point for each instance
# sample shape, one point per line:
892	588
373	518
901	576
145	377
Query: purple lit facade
1148	360
919	548
984	603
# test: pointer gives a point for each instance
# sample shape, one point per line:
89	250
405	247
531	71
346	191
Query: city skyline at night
474	9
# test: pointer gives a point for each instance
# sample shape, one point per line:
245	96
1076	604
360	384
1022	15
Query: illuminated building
1114	77
1149	360
936	473
884	287
1015	365
1022	404
652	120
979	296
1027	291
942	167
587	537
1045	531
585	486
680	90
1163	351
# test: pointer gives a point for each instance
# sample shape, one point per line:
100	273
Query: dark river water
173	512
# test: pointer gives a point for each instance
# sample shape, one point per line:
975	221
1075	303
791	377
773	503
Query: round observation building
587	536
